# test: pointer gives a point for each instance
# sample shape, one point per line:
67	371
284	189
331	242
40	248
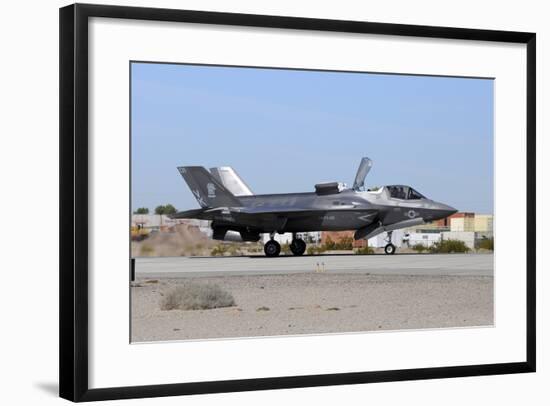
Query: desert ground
313	302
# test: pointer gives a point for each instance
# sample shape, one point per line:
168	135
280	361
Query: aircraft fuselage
235	212
347	210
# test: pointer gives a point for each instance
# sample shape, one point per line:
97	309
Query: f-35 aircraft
239	215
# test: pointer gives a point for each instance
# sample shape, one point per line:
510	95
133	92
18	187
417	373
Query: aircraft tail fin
231	180
208	191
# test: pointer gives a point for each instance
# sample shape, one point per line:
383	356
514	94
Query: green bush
364	251
419	247
345	243
449	246
233	249
329	244
218	250
487	244
147	250
315	250
285	248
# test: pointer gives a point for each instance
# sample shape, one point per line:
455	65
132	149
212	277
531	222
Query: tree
169	209
141	210
165	209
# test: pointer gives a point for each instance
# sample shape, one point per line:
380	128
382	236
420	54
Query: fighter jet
236	214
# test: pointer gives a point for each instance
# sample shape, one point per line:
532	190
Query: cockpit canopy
404	192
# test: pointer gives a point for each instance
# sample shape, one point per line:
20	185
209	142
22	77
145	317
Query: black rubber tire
389	249
272	248
298	247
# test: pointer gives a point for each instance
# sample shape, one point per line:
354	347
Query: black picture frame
73	254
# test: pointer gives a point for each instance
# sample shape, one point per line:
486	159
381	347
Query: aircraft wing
277	211
188	214
261	216
291	212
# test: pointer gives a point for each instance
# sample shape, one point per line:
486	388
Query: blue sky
285	130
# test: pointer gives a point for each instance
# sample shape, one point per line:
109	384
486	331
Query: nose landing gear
389	249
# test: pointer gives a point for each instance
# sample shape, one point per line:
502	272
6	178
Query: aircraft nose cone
446	210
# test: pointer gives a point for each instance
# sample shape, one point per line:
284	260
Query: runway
400	264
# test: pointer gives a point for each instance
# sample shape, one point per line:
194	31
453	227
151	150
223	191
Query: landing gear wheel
389	249
272	248
298	246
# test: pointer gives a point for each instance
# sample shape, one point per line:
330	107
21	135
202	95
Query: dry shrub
366	250
449	247
192	296
419	247
486	244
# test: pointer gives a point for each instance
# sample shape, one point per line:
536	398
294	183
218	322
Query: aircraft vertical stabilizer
208	191
231	180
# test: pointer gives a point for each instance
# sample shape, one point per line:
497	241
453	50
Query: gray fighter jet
239	215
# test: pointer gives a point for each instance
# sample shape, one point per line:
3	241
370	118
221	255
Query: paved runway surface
403	264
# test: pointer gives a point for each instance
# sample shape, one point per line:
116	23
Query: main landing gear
297	246
272	248
389	249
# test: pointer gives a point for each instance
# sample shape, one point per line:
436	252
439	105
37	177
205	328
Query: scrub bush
487	244
192	296
449	246
364	251
419	247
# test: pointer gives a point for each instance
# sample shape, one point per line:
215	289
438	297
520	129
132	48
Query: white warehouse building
425	239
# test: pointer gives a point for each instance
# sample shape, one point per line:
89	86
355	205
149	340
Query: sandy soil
312	303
